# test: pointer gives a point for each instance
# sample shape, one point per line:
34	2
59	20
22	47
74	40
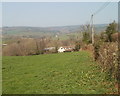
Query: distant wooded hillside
44	31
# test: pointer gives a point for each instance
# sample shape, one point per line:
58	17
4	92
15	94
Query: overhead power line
92	17
91	23
101	8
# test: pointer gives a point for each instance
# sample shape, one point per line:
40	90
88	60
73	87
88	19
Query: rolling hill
43	31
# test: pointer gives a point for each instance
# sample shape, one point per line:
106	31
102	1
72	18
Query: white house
61	49
66	49
4	44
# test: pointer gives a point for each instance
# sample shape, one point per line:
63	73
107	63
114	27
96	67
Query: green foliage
96	50
65	73
86	34
86	37
77	46
112	28
103	37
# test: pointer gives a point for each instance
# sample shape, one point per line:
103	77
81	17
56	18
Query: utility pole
92	29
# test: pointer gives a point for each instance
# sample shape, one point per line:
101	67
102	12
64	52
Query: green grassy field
64	73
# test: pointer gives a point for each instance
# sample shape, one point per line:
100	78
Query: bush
77	46
111	29
107	56
86	38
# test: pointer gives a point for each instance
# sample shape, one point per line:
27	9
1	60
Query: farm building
66	49
49	50
4	44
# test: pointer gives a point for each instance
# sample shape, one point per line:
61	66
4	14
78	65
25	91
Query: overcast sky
56	14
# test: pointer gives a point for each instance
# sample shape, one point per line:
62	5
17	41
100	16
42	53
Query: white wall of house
61	49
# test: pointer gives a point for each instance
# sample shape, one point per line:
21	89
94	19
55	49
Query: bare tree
40	45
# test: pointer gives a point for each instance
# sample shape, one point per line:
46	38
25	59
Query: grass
64	73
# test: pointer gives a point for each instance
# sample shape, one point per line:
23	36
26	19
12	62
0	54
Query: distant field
64	73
